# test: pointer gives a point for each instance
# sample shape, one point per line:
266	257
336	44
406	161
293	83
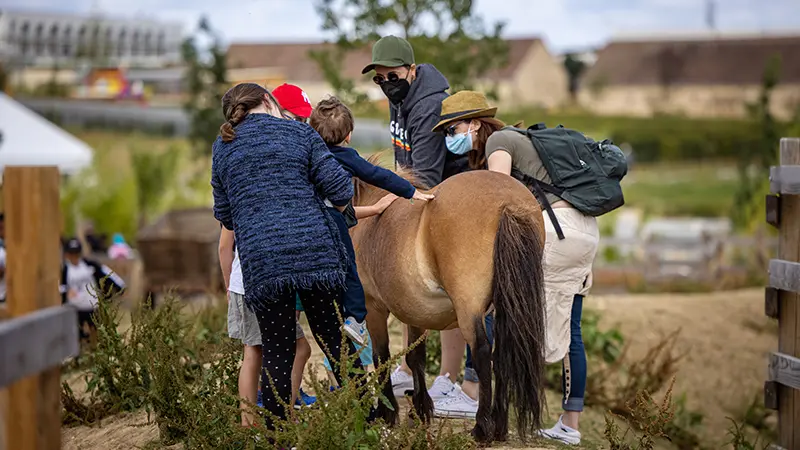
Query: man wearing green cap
415	94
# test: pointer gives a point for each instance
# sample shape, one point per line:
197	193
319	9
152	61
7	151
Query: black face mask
397	90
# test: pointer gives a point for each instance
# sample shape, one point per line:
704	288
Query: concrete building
42	40
707	75
532	77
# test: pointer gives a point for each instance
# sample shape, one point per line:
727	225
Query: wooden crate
180	251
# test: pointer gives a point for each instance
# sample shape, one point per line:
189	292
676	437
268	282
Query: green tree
206	81
445	32
575	68
754	161
104	194
155	174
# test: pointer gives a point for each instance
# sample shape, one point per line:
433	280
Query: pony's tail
519	330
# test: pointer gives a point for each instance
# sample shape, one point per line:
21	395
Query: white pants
567	272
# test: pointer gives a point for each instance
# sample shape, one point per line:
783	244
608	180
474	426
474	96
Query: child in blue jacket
333	121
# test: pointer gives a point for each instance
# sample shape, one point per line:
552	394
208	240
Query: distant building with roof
532	76
699	75
40	47
36	39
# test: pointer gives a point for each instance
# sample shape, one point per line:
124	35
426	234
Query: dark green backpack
584	172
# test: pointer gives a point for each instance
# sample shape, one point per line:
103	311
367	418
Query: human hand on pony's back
381	205
422	196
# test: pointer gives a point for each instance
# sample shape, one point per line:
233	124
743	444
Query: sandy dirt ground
725	339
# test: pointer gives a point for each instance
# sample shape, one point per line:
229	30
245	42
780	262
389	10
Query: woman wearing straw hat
471	128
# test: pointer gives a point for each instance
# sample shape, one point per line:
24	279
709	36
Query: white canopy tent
28	139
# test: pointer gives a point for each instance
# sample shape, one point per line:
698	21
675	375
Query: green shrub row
663	138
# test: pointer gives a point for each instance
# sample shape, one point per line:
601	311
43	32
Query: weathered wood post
37	337
782	299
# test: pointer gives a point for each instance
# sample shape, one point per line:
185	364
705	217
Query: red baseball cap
293	99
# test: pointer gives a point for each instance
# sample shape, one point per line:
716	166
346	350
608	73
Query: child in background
119	248
334	122
84	282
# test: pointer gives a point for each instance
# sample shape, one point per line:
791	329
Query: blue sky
565	24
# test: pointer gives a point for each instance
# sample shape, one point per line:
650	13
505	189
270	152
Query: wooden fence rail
41	332
782	296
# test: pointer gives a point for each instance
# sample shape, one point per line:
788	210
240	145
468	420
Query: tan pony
443	264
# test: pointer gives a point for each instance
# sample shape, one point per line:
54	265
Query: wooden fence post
33	222
782	299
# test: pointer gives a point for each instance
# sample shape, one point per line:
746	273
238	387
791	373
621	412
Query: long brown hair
477	157
239	100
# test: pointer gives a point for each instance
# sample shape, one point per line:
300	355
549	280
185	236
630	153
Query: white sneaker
357	331
562	433
457	404
442	387
401	382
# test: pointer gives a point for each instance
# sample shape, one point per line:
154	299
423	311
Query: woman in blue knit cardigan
270	176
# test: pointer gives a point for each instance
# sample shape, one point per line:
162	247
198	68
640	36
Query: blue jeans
573	372
469	372
353	299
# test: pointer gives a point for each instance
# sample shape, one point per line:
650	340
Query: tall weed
649	421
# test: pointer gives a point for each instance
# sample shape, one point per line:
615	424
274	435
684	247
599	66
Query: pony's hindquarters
519	327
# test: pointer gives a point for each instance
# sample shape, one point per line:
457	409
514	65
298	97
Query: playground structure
179	252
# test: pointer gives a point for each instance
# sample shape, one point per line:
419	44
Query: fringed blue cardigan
269	184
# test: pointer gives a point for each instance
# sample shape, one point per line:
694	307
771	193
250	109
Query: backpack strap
538	189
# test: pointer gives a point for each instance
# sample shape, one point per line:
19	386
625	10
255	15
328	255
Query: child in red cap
294	101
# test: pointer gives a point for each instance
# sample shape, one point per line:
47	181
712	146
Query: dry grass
724	361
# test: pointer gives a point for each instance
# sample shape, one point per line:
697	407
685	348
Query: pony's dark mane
367	194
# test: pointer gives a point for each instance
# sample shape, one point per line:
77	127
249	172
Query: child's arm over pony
362	212
334	122
376	175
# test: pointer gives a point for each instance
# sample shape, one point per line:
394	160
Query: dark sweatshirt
415	145
359	167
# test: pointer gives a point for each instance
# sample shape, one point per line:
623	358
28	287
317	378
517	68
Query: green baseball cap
391	51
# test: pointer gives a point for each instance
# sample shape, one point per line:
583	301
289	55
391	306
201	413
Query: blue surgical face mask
460	143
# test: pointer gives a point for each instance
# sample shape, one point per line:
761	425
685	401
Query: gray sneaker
357	331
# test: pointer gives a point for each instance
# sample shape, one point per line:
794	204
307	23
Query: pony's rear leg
423	405
474	331
379	334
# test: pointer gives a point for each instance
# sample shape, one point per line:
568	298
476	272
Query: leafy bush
752	418
184	371
739	439
681	140
663	138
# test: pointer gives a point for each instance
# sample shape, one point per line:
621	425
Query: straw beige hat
464	105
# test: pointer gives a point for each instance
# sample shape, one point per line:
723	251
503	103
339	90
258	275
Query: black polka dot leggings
277	324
